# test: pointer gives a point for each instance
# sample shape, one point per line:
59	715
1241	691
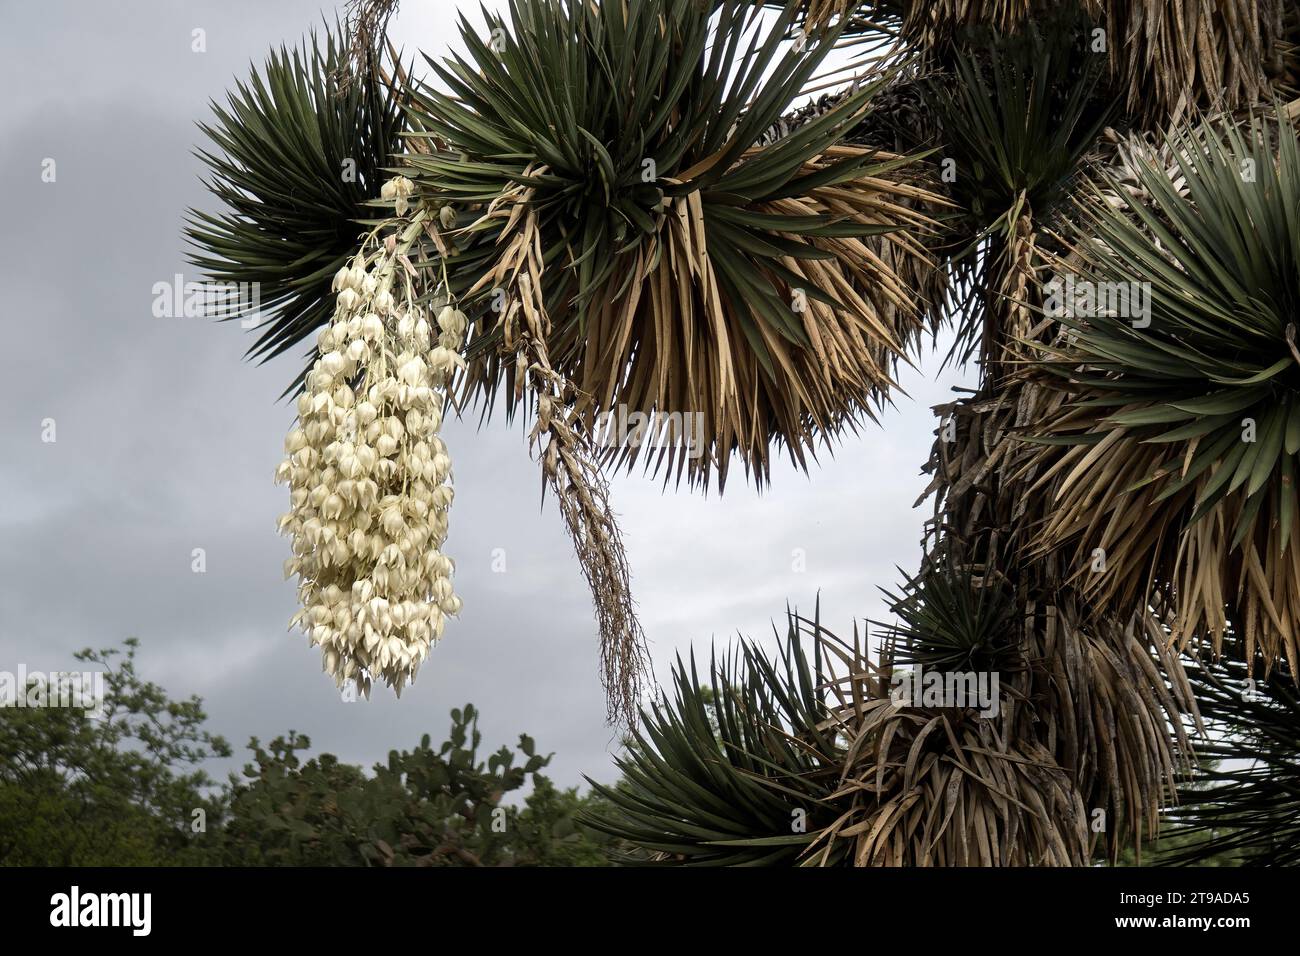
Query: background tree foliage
120	790
425	807
124	790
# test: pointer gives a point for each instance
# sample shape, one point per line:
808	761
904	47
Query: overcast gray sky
167	440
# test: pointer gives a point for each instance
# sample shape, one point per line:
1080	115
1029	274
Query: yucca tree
627	205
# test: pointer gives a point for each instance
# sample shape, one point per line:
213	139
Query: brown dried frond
664	338
1090	730
1167	59
570	466
367	28
819	14
1105	503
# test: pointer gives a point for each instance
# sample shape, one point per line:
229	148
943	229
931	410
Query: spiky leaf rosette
810	763
735	771
682	269
1172	464
1016	113
294	161
948	620
823	763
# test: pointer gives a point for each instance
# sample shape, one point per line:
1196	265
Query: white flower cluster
368	478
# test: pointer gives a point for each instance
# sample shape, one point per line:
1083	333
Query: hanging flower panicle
368	475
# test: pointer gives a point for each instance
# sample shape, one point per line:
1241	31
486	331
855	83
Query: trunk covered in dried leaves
1102	699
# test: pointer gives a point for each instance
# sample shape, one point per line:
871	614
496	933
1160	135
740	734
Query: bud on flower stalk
397	191
369	481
